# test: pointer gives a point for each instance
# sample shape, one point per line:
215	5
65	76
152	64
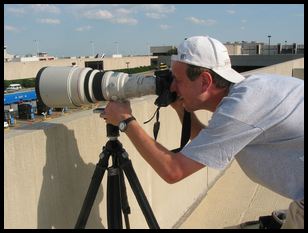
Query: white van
13	87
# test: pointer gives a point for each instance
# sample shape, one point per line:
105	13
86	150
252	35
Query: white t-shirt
261	124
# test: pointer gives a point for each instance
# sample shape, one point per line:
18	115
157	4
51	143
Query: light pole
117	44
149	49
269	44
37	49
92	43
285	46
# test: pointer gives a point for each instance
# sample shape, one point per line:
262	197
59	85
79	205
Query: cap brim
230	74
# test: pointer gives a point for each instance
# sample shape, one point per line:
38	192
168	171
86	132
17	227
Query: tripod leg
127	166
117	199
114	217
124	200
97	177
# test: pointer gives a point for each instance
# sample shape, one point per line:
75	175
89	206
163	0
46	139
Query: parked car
13	87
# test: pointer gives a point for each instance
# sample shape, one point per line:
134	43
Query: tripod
116	190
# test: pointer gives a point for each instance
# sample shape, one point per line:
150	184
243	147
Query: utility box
9	117
25	111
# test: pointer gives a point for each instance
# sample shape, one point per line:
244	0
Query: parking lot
20	123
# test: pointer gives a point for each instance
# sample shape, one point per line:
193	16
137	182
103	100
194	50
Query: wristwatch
123	124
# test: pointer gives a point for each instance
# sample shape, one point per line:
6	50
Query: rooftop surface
222	208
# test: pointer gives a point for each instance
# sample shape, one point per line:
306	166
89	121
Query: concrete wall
298	73
121	63
262	60
290	68
48	167
21	70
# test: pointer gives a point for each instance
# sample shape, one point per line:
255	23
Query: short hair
193	73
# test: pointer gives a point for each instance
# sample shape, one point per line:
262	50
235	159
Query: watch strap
129	119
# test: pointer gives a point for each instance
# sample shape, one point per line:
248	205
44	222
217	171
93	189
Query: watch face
122	125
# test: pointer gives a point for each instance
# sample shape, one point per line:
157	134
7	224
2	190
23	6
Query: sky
130	29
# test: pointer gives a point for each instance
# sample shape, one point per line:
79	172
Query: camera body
73	86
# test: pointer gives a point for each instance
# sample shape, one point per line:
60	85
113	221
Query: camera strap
156	124
186	127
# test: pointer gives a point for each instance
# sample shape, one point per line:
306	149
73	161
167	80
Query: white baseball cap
207	52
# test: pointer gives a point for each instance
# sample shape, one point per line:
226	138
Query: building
116	55
234	48
20	69
27	58
260	48
7	56
162	50
43	56
237	48
163	53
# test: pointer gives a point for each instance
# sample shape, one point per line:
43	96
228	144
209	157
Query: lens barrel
73	86
65	86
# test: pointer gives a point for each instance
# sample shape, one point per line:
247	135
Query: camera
73	86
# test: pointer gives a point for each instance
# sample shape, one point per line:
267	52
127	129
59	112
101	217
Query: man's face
188	90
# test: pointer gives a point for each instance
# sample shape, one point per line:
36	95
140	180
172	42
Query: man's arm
172	167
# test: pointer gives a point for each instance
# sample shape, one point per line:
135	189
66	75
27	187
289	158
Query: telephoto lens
73	86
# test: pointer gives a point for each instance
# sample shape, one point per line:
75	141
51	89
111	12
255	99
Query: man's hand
116	111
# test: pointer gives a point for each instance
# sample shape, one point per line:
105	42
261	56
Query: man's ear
207	80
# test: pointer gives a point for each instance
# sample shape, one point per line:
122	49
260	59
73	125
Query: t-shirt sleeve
216	145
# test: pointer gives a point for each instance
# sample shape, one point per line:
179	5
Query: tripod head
112	131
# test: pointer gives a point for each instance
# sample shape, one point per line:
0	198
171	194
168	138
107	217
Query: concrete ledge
48	168
233	199
298	73
284	68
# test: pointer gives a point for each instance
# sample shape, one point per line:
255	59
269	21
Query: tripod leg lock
113	171
124	155
104	153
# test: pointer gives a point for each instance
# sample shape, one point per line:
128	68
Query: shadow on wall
66	179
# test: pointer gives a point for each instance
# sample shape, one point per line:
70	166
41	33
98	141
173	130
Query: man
257	120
